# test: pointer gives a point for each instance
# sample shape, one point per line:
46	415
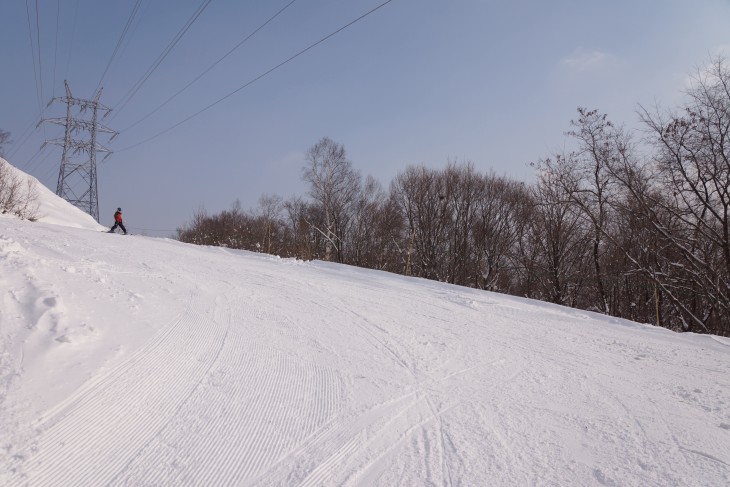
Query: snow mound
52	208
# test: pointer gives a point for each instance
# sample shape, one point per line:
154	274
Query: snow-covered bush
18	197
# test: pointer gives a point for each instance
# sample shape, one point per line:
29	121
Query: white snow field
127	360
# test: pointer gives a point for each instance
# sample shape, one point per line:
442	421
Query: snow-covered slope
53	209
127	360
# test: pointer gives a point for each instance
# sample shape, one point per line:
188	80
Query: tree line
629	224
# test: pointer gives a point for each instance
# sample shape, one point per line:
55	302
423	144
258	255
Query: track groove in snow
170	422
227	433
128	406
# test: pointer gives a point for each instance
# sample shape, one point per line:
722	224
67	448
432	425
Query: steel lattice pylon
77	181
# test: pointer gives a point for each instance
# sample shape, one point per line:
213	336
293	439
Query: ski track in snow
265	371
166	411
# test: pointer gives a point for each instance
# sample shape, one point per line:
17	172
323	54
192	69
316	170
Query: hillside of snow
127	360
51	208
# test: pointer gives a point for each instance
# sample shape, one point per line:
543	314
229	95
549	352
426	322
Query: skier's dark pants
120	225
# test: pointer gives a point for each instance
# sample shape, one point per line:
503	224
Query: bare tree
270	207
693	162
558	232
463	188
4	139
495	231
374	229
230	228
421	196
334	185
586	178
525	254
302	237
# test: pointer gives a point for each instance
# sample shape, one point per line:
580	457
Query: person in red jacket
118	222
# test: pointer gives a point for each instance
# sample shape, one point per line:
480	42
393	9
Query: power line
38	36
135	88
133	28
311	46
73	35
31	166
31	162
135	9
55	50
23	138
32	54
210	67
49	173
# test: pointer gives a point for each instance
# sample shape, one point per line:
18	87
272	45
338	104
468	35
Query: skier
118	222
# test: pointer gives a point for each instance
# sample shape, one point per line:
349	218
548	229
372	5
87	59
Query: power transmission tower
77	182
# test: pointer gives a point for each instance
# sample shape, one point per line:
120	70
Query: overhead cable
55	49
24	137
73	35
135	88
210	67
38	37
32	54
311	46
135	9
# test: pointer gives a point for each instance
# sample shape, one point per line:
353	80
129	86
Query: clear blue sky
417	82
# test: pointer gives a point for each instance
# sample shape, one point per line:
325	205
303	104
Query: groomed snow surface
127	360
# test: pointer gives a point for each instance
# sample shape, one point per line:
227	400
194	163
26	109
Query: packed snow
127	360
